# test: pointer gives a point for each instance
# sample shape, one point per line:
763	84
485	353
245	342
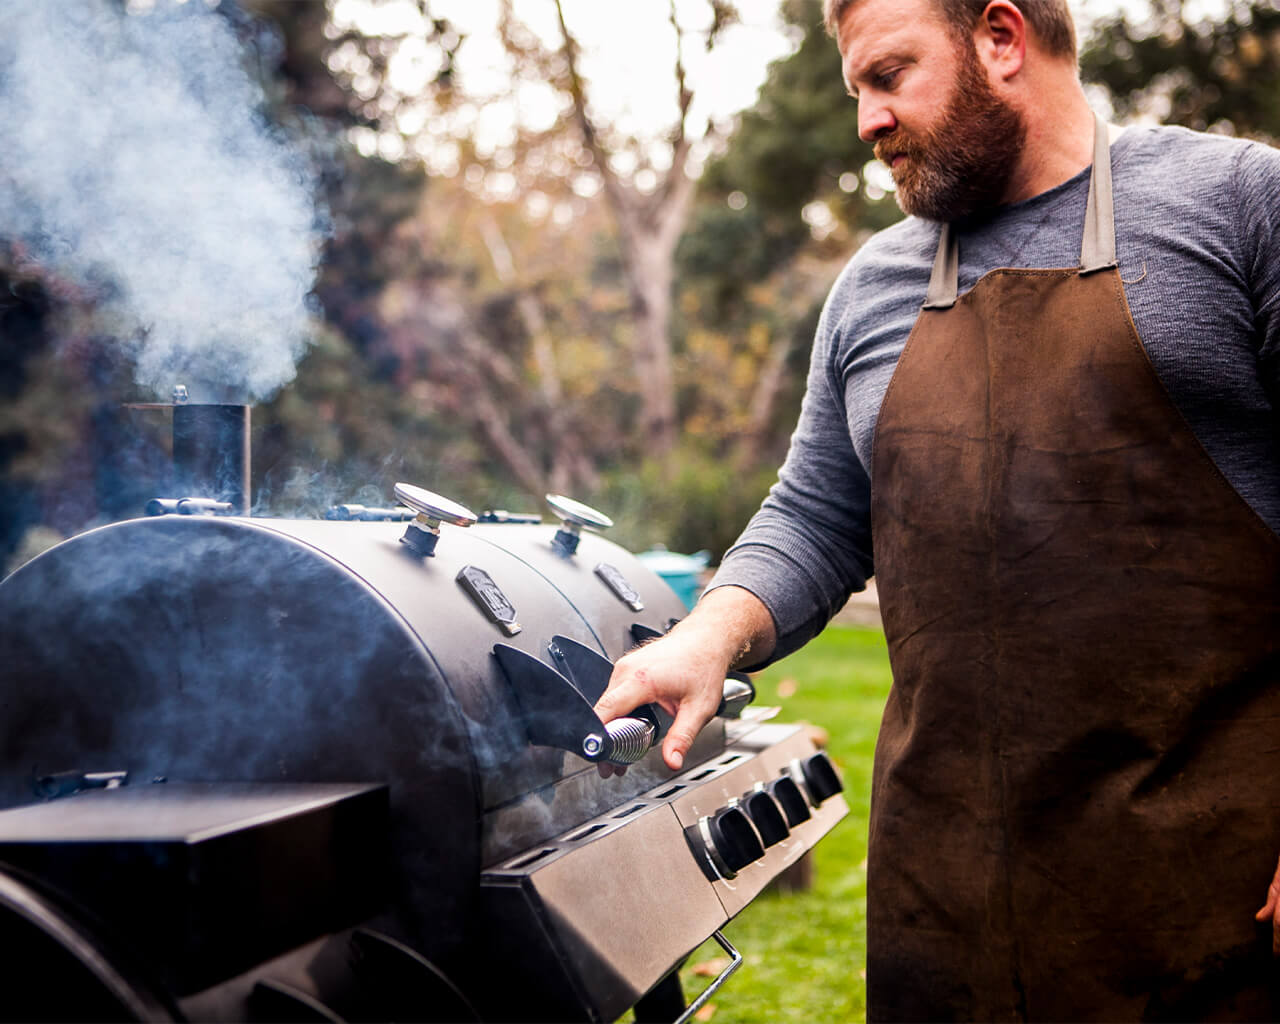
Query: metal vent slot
669	791
702	774
732	758
629	811
590	831
533	858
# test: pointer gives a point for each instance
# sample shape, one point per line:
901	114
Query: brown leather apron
1076	799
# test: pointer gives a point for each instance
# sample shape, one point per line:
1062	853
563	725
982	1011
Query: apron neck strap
1097	249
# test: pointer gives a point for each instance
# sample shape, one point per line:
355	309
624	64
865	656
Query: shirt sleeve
1258	185
809	545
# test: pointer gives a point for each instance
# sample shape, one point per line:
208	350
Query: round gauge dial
576	512
433	505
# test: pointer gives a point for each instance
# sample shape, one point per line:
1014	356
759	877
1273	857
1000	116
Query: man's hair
1050	20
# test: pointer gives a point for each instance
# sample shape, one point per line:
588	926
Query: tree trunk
649	227
651	295
764	397
565	459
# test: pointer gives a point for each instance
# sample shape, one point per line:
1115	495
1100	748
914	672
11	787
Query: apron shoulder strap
944	282
1097	248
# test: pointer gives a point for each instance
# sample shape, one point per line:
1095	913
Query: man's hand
1271	911
679	675
684	671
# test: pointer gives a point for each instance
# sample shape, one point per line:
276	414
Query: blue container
682	573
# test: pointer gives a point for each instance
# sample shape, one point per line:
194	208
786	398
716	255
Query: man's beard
961	164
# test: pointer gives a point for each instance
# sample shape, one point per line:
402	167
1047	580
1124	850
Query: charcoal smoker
344	769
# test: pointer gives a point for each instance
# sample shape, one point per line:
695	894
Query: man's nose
875	120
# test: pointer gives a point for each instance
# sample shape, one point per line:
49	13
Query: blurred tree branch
649	228
1221	76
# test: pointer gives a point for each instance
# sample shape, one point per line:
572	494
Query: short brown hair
1049	19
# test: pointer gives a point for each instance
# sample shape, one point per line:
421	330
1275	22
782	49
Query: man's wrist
732	622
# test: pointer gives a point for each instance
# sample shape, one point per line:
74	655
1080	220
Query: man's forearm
735	622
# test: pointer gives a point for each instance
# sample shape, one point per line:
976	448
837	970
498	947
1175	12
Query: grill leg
663	1003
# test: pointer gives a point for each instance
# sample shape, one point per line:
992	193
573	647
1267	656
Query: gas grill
267	769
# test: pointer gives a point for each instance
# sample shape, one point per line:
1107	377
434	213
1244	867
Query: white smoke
136	160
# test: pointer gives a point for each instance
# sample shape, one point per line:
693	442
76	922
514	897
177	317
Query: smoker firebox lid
208	879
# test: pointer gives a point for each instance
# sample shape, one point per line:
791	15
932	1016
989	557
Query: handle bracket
735	961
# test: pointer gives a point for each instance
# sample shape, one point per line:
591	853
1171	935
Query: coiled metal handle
632	738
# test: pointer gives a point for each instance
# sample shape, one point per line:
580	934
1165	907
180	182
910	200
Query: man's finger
673	751
1270	908
684	730
619	700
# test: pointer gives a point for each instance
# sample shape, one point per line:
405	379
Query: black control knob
725	842
766	815
820	777
735	838
790	798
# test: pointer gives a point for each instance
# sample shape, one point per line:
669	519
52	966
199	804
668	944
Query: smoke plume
138	163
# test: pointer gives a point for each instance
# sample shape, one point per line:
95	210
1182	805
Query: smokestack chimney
211	454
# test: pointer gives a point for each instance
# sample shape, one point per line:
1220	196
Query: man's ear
1000	39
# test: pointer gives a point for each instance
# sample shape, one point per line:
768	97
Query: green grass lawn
806	952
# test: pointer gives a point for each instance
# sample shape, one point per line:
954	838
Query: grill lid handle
557	715
738	693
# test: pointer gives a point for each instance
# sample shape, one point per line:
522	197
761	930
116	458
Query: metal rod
735	961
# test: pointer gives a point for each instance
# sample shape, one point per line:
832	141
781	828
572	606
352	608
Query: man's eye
886	79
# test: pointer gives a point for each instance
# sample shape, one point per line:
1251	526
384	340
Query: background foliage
476	346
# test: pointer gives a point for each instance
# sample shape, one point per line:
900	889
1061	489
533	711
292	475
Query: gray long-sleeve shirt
1196	217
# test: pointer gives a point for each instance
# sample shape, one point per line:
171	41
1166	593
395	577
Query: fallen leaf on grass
706	1013
818	736
711	968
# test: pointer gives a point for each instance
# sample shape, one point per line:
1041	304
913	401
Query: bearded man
1043	410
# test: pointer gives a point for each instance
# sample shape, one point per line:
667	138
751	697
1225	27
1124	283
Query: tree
1221	76
485	340
403	296
779	210
647	183
427	305
800	143
649	226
